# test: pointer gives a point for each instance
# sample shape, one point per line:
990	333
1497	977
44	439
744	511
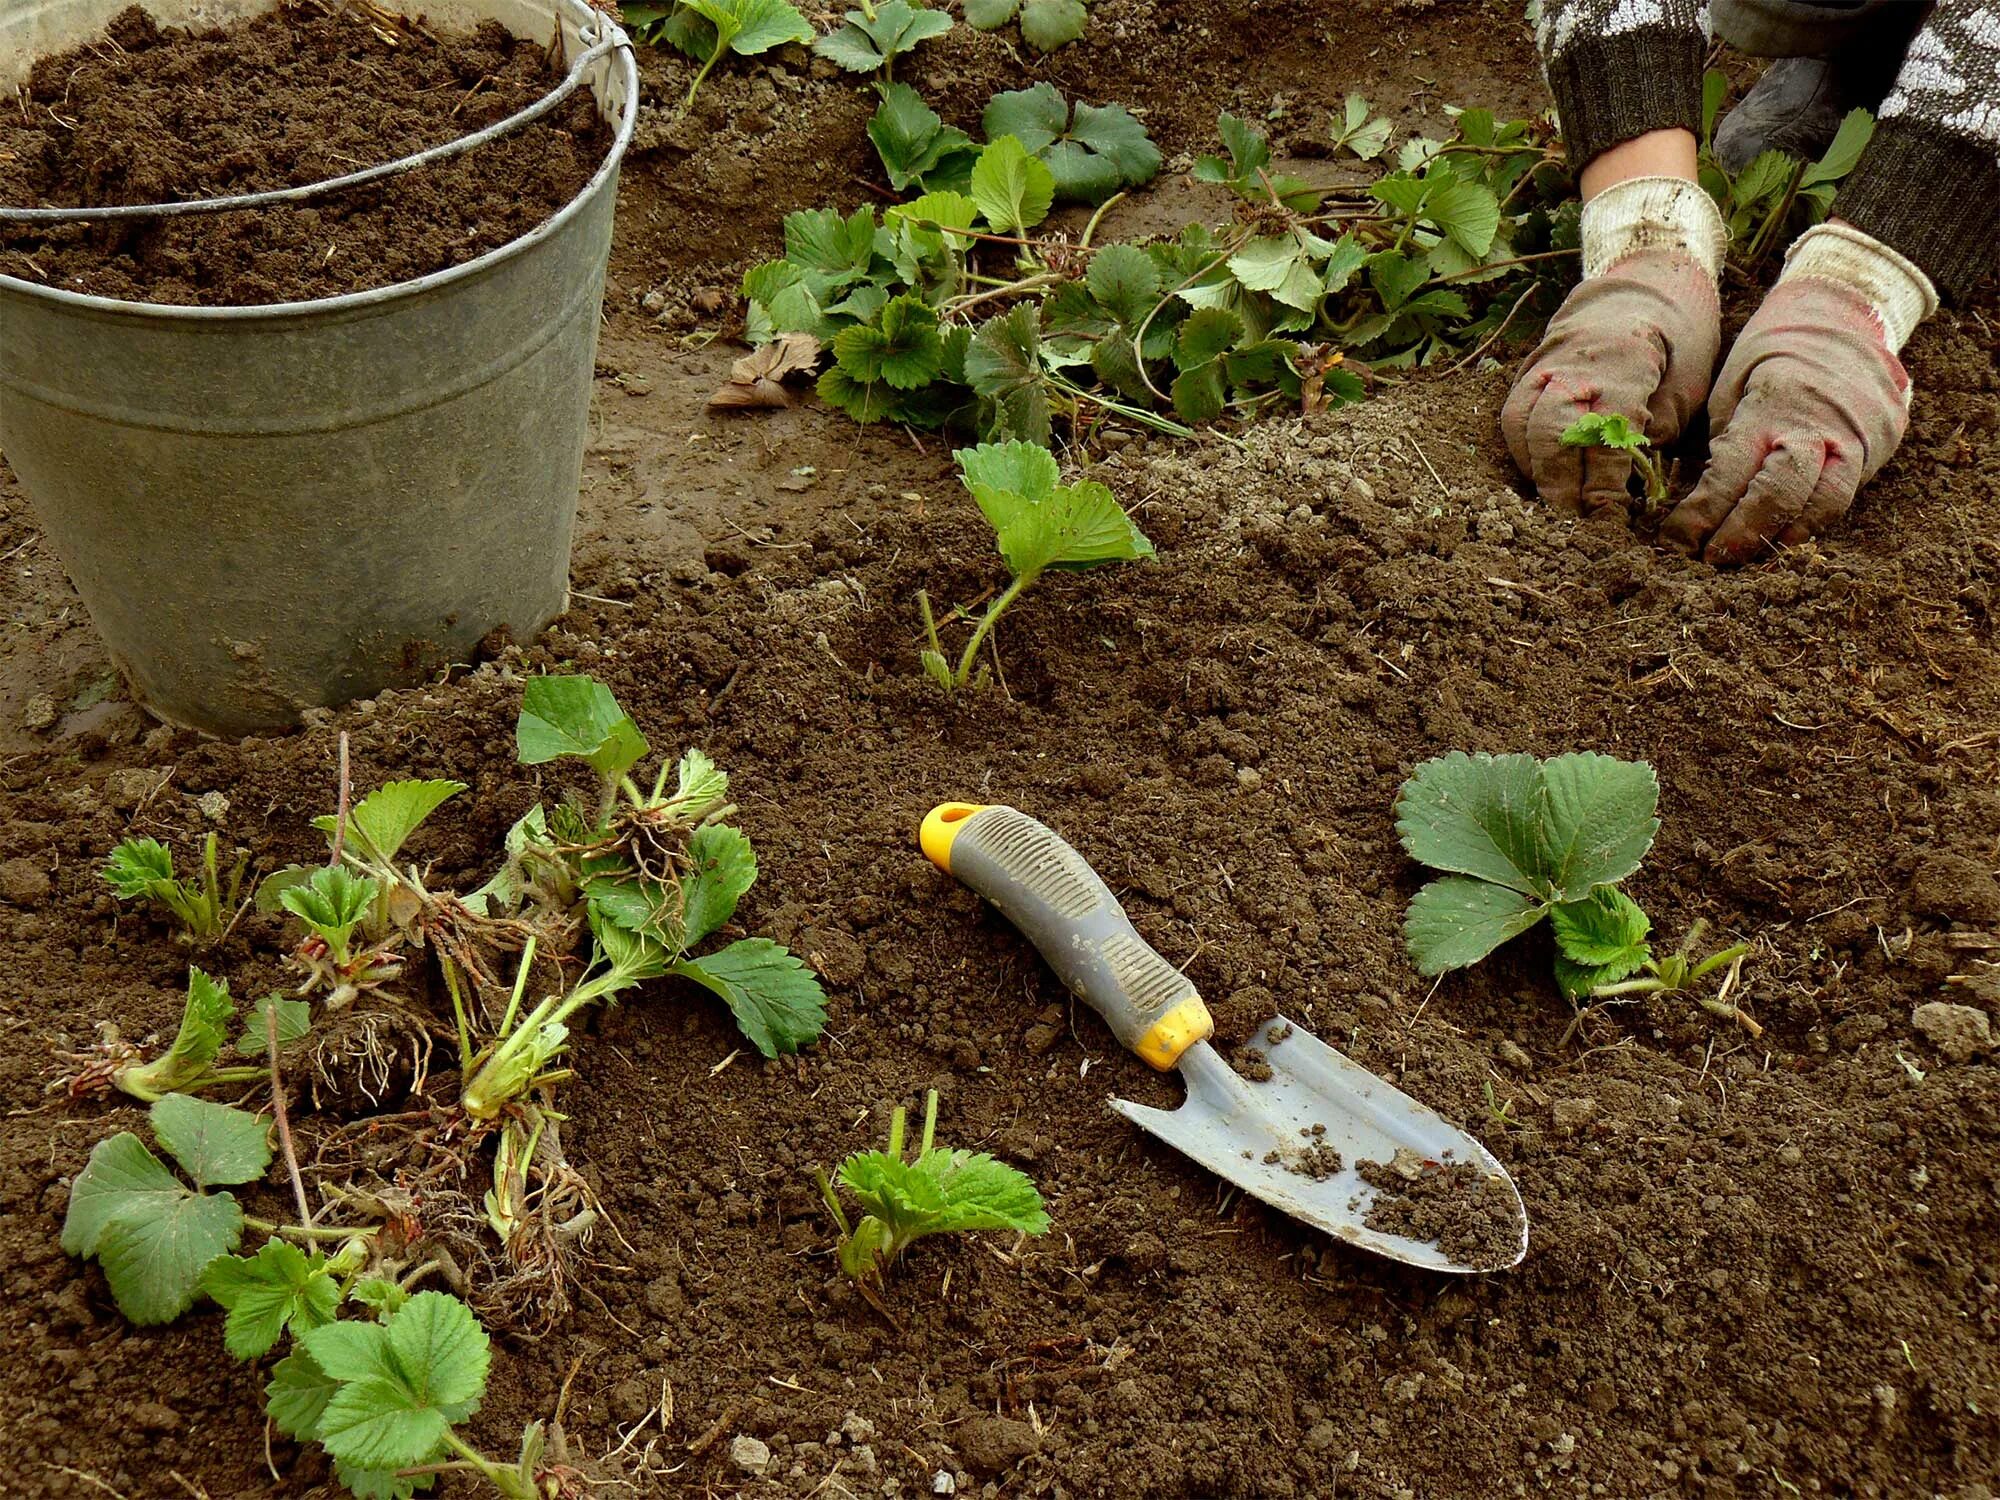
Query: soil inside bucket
149	114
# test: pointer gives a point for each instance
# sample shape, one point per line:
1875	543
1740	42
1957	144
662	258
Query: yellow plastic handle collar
940	827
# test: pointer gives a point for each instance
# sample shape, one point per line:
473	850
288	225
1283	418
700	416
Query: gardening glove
1638	337
1812	400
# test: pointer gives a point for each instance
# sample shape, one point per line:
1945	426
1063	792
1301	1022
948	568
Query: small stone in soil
1469	1214
751	1455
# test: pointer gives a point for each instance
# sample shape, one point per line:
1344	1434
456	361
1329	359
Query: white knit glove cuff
1653	213
1901	295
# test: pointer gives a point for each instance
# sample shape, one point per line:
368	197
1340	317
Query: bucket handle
616	41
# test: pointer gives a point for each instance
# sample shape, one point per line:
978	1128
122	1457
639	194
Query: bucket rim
584	15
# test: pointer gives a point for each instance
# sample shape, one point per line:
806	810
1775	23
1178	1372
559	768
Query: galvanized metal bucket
269	509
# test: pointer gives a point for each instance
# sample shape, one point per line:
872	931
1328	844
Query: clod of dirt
283	99
990	1444
1960	1032
1251	1064
23	882
1470	1215
1956	888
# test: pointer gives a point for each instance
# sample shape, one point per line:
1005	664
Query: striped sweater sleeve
1619	68
1929	183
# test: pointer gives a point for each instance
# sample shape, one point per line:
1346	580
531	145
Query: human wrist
1653	213
1895	289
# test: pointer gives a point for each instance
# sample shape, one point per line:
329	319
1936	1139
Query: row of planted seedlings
447	1205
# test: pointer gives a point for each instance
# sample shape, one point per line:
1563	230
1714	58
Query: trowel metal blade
1231	1125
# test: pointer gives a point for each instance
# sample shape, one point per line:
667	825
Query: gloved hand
1811	402
1639	337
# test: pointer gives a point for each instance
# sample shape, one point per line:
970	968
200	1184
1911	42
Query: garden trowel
1293	1138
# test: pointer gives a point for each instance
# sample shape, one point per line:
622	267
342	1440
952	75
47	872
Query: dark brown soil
292	97
1468	1212
1757	1268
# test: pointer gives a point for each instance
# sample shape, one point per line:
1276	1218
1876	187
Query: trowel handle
1048	890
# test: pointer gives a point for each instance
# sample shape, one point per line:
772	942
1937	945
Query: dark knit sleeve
1929	183
1619	68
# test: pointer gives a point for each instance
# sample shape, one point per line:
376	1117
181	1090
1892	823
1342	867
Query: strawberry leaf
776	999
1012	188
565	716
279	1287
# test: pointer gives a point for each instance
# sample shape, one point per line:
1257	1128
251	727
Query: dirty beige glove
1638	337
1812	400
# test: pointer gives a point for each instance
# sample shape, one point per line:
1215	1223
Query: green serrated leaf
1467	213
777	1000
724	868
1248	149
1477	815
759	25
1200	394
1040	523
1359	134
1124	282
1455	921
332	903
1281	265
867	42
1599	820
204	1023
863	401
121	1177
136	865
1205	336
1003	364
1396	276
379	1295
153	1258
1599	429
401	1382
1013	189
1843	153
271	889
577	716
381	821
216	1145
294	1021
279	1287
910	137
990	15
903	350
1037	117
1605	930
296	1395
1049	24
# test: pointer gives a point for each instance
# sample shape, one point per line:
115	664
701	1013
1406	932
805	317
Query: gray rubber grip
1048	890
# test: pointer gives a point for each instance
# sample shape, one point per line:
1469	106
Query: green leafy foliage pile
1777	192
938	1191
954	309
1521	840
1039	523
870	40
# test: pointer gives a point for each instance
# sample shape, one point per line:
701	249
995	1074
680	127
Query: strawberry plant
1523	839
936	1192
152	1233
872	38
189	1063
386	1398
1611	430
659	871
707	29
976	318
1045	24
1039	523
1092	151
144	869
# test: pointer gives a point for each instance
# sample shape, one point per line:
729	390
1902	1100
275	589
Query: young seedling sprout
1040	523
144	868
939	1192
1612	431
